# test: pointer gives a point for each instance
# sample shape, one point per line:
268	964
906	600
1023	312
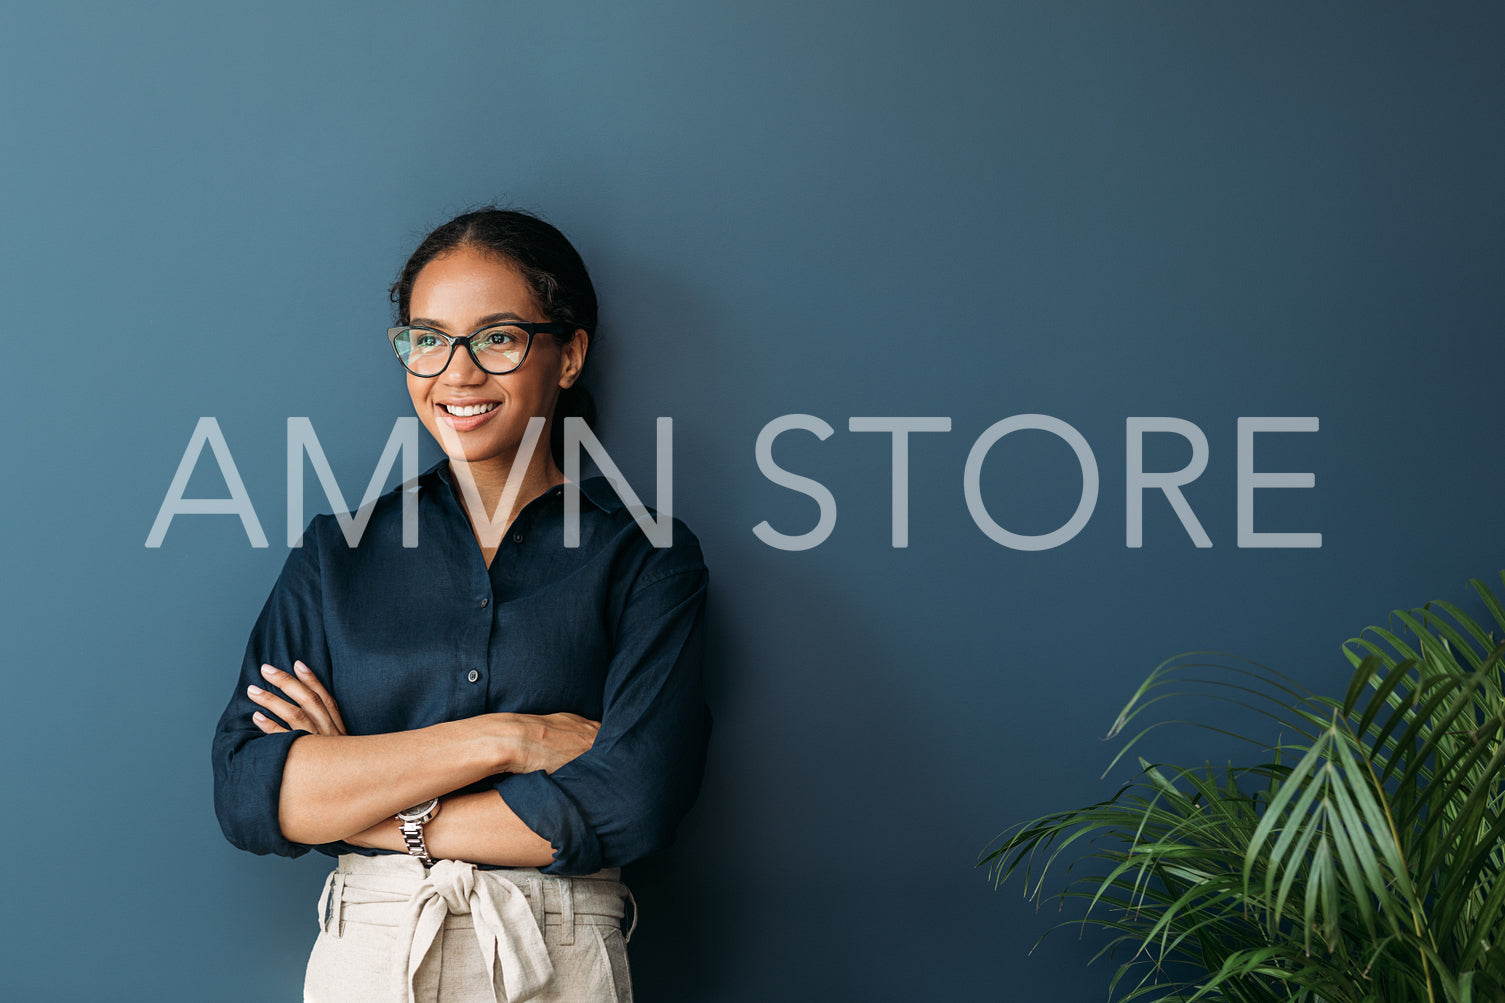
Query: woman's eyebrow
490	318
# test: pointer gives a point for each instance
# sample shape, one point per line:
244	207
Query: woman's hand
313	709
548	741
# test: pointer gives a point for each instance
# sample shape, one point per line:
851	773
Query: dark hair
549	264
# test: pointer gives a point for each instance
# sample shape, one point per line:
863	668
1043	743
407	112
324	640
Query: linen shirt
404	638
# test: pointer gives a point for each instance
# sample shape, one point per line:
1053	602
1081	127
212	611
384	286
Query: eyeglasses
496	348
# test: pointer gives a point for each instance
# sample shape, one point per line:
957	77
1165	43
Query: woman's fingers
555	739
266	724
312	682
281	711
306	710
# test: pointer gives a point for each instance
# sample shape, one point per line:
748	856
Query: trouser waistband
508	908
360	880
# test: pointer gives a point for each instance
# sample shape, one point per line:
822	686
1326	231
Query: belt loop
330	902
634	925
534	886
567	909
337	905
324	903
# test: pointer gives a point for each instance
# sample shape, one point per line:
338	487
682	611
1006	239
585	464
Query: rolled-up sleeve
248	763
624	797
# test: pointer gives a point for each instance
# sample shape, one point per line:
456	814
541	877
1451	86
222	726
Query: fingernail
268	671
255	691
259	716
300	668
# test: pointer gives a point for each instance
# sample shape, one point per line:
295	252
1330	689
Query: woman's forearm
336	785
478	827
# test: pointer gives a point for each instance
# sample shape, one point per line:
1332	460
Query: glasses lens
424	352
500	349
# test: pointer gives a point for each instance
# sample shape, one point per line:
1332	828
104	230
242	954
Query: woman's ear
574	358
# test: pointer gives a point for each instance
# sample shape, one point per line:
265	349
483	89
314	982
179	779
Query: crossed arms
348	787
561	796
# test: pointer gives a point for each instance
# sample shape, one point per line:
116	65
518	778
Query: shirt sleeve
625	796
248	762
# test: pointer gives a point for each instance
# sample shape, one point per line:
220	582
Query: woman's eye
423	340
498	339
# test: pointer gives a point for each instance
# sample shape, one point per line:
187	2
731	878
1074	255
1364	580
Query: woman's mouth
464	417
469	409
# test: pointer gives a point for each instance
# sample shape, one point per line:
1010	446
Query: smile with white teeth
470	410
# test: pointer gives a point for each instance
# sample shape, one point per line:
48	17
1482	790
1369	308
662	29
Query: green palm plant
1361	861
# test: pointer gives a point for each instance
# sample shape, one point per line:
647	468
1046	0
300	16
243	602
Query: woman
485	727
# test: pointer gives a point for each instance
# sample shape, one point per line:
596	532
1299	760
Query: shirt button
474	675
485	603
517	538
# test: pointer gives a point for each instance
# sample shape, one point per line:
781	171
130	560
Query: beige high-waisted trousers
391	929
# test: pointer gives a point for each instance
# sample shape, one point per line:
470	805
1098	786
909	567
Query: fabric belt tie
505	926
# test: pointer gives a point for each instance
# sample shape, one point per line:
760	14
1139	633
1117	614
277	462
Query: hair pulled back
548	263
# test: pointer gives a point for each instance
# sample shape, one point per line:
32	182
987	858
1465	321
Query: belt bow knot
508	932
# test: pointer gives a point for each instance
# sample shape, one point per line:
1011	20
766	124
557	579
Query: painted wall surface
1090	211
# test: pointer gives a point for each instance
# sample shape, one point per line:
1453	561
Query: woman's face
457	293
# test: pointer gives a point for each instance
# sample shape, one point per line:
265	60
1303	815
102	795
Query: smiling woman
482	737
528	272
479	402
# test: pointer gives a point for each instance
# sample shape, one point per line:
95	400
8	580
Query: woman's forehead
463	288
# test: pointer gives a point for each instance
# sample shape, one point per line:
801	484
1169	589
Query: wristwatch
412	820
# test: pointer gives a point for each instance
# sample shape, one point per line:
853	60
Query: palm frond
1360	857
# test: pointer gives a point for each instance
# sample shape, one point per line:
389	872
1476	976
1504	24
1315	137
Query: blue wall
1091	211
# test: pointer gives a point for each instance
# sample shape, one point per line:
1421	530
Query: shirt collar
596	490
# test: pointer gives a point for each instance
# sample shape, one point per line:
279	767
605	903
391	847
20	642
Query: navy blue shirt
404	638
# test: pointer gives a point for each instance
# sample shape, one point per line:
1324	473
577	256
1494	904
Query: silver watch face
418	810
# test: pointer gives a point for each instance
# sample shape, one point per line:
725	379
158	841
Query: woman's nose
462	368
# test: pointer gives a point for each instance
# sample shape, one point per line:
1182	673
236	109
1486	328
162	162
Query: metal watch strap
412	834
412	830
